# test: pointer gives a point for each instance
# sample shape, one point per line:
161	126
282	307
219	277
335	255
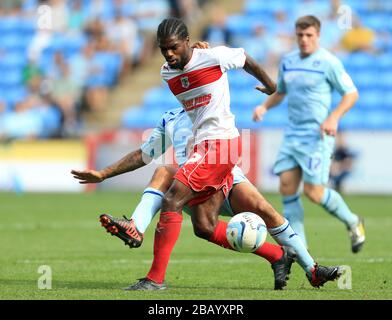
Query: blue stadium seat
28	5
384	80
371	99
14	95
12	61
354	119
102	61
384	62
74	44
135	117
245	99
239	79
160	99
114	62
241	26
360	7
257	7
15	42
360	60
14	78
377	22
51	118
365	80
27	26
243	120
378	120
9	24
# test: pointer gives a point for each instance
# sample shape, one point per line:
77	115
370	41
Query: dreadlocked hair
172	27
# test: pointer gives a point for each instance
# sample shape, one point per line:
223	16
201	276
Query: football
246	232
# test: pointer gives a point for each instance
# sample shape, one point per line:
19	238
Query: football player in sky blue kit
174	129
307	77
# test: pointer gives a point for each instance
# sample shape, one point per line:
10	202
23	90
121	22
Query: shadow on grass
60	284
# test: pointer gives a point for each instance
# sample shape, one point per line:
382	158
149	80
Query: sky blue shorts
313	156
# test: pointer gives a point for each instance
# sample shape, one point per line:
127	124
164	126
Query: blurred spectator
41	40
148	14
99	10
342	163
331	32
175	8
9	6
280	40
94	28
79	65
77	17
189	10
217	33
31	72
64	93
317	8
359	38
122	33
60	15
258	45
22	123
96	83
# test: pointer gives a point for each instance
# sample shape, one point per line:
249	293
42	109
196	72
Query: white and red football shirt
203	90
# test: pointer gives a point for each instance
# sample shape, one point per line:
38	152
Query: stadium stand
264	28
371	70
96	48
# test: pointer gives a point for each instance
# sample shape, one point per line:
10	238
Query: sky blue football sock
285	236
335	205
294	212
147	208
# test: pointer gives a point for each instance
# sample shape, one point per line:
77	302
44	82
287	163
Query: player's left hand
329	126
201	45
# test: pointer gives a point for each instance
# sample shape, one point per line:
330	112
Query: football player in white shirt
198	79
174	129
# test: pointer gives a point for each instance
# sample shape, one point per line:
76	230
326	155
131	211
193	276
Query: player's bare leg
207	226
245	197
205	216
162	178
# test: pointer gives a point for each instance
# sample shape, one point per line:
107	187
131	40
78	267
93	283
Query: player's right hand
258	113
88	176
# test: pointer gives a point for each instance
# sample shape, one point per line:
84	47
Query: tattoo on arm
130	162
252	67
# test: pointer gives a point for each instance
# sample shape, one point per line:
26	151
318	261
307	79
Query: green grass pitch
63	232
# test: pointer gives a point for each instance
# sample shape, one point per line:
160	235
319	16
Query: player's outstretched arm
130	162
252	67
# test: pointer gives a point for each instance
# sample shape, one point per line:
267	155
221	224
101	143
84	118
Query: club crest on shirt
316	63
185	82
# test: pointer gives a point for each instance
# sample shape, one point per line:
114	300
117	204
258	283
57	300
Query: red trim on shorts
208	169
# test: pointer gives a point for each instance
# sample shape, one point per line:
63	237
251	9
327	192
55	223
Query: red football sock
268	251
166	235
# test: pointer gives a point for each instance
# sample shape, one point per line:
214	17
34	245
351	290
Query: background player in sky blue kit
308	77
